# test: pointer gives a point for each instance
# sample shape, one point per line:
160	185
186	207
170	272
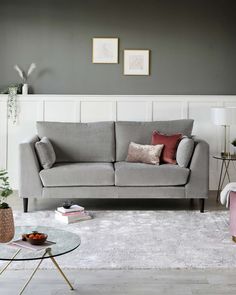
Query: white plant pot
25	89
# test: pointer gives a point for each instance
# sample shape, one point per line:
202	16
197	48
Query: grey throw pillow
45	152
184	151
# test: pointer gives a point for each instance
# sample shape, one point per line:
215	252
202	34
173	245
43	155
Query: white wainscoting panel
62	111
134	110
91	108
164	110
26	127
94	111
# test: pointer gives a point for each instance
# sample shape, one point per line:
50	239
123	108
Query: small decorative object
7	229
35	238
25	76
67	204
12	104
234	146
136	62
105	50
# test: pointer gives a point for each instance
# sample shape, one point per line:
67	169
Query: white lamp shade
223	116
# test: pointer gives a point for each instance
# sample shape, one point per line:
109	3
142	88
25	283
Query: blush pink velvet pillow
149	154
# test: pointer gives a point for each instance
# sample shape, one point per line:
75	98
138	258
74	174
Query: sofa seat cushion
140	174
78	174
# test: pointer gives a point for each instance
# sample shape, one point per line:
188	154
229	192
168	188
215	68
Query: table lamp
224	116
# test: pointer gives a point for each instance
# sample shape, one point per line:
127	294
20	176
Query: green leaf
3	172
4	206
4	185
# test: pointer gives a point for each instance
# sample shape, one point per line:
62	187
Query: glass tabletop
65	242
229	157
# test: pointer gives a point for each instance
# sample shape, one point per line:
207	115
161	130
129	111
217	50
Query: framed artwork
136	62
105	50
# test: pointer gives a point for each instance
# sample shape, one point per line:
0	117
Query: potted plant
7	229
234	146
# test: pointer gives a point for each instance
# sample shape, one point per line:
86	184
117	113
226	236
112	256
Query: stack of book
73	214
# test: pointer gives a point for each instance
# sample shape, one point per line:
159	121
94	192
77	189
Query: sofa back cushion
80	142
141	132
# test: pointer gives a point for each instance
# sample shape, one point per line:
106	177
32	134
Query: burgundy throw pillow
170	145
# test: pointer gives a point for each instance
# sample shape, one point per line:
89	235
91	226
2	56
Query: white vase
25	89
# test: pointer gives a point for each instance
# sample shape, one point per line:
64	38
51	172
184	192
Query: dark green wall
193	44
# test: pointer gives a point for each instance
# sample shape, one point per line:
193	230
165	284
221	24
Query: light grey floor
114	282
104	282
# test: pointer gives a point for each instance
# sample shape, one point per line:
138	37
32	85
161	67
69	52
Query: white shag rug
142	240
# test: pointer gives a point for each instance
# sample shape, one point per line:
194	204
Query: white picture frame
137	62
105	50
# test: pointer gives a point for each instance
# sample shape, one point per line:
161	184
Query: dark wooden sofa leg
25	204
202	204
191	204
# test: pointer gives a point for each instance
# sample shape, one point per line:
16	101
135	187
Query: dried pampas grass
22	74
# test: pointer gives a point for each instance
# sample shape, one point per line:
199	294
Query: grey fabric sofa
91	163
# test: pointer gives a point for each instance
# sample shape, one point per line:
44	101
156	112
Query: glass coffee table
65	242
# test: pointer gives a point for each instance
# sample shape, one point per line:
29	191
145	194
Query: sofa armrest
198	183
30	185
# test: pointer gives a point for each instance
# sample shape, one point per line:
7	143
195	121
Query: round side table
224	171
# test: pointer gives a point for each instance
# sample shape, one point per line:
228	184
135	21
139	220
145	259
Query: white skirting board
91	108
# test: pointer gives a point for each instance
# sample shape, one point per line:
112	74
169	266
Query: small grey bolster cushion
184	152
198	184
30	184
45	152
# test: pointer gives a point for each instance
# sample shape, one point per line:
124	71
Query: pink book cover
78	213
27	245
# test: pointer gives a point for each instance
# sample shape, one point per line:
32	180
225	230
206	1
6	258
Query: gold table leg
6	266
33	273
47	251
58	267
